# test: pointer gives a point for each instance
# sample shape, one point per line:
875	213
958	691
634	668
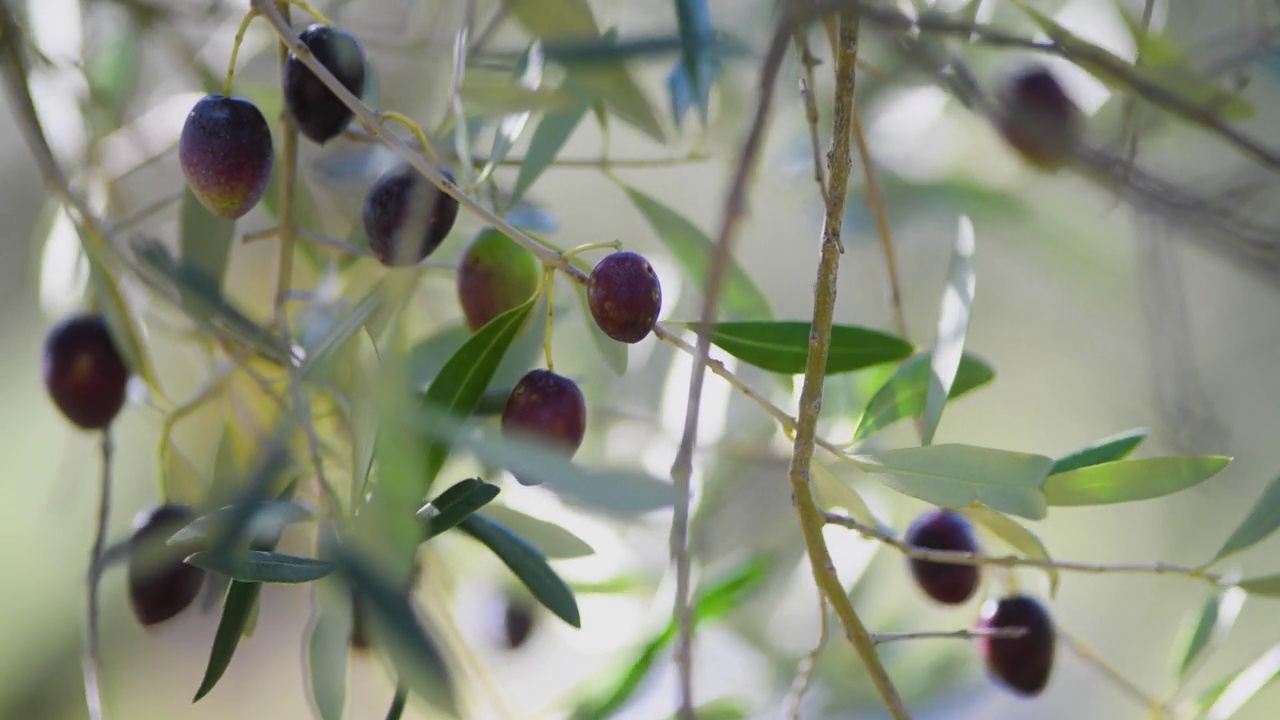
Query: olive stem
90	664
839	166
954	557
414	128
571	252
549	286
235	50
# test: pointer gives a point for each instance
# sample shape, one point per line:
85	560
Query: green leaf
236	610
551	540
692	250
341	331
1262	520
328	645
263	519
953	325
1267	585
396	629
125	331
204	239
953	476
903	394
1017	536
179	479
621	492
1110	449
1225	699
555	19
258	566
461	383
1178	89
611	351
783	346
1206	628
528	77
528	564
1130	480
714	601
612	82
548	138
692	77
455	504
722	709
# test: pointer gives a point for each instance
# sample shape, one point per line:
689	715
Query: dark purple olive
1038	119
84	372
546	407
161	585
317	112
625	296
1023	664
406	216
226	154
944	530
518	621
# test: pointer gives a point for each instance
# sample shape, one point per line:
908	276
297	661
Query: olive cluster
1022	662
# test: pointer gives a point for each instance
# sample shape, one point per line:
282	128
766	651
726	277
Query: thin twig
682	468
1086	653
92	654
839	165
963	558
880	211
807	63
1009	633
804	673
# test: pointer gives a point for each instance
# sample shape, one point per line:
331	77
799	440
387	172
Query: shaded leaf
1267	585
620	491
1262	520
455	504
692	250
690	81
328	645
953	325
528	564
1016	535
257	566
204	239
1207	628
903	395
240	600
551	540
835	492
264	518
612	81
1130	480
411	649
782	346
461	383
126	333
548	138
1116	447
953	476
340	331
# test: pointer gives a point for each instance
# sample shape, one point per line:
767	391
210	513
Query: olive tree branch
839	166
1009	633
735	207
965	558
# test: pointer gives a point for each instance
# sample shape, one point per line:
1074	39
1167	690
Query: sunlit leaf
455	504
1018	537
463	379
691	248
1130	480
835	492
552	540
1225	699
953	325
257	566
528	564
903	395
1110	449
240	600
1206	628
1262	520
783	346
953	476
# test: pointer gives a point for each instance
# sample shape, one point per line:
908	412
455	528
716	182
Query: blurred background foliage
1097	319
